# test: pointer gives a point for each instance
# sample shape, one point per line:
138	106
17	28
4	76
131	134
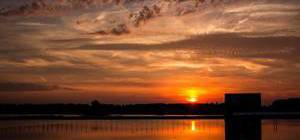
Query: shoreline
140	117
114	117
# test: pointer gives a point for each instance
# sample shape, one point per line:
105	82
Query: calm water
139	130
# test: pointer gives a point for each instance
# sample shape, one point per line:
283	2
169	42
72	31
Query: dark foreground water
143	130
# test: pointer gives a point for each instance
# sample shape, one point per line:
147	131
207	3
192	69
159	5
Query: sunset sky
55	51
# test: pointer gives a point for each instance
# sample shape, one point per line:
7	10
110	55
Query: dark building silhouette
240	121
242	103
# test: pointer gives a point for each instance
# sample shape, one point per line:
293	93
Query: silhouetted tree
95	103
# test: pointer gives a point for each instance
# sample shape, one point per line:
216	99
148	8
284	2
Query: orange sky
181	54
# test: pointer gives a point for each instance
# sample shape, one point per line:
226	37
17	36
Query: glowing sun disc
192	100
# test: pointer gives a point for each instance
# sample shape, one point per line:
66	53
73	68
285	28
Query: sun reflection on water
193	126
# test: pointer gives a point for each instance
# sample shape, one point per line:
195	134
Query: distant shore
140	117
109	117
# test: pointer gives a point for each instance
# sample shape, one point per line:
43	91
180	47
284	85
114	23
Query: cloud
20	87
128	83
225	45
33	24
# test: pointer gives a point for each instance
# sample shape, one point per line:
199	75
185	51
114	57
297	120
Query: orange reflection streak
193	126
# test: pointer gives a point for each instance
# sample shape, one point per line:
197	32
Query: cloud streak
23	87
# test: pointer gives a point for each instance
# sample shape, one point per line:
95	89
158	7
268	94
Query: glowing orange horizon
193	93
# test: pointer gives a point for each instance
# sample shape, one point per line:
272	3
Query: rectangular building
242	102
242	127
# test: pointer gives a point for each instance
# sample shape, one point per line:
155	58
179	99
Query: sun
192	99
192	94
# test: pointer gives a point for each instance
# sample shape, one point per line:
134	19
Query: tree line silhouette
95	108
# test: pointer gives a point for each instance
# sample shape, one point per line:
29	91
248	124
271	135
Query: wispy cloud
22	87
33	24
